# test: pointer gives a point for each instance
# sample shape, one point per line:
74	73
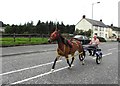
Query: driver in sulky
93	45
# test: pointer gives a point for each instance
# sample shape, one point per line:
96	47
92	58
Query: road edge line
34	77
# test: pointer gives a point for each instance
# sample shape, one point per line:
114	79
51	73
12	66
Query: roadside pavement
18	50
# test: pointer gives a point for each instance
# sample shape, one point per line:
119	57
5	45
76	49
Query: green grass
9	41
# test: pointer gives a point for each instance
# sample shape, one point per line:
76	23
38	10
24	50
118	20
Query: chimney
101	20
111	25
83	16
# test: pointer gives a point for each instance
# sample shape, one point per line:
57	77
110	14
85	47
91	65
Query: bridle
54	36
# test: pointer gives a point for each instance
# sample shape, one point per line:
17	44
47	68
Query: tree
72	29
88	33
81	32
29	27
38	27
8	29
51	26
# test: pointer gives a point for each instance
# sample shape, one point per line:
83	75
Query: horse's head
54	36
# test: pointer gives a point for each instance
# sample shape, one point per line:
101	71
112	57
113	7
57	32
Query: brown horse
66	47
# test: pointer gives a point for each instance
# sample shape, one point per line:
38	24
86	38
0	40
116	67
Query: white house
97	27
114	32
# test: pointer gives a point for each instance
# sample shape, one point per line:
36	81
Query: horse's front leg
68	61
53	67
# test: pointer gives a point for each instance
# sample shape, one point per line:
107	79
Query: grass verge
9	41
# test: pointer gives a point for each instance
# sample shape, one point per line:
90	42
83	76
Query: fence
29	36
33	35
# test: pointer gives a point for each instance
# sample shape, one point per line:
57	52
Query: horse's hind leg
81	57
72	59
83	62
84	53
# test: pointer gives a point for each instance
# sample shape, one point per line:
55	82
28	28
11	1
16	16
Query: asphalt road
32	65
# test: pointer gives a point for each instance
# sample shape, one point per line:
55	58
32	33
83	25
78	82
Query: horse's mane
62	39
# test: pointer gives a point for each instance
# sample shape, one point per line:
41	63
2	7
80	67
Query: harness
66	43
63	52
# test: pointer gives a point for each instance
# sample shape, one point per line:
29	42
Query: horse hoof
69	67
52	70
83	63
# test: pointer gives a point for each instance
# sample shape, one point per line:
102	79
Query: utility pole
92	16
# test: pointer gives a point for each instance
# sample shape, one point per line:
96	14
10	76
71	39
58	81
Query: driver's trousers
92	48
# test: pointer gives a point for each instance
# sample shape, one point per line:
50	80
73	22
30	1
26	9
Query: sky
119	15
66	11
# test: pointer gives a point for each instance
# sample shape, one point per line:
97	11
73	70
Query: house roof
114	28
96	23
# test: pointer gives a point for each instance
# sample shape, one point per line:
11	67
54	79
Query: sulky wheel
98	59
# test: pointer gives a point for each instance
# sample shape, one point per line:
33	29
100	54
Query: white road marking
38	66
48	72
103	55
107	54
112	49
28	68
94	58
39	75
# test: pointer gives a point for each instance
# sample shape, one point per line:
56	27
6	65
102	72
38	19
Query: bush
101	39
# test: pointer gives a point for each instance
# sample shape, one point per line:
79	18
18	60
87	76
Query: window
105	35
100	28
96	29
100	34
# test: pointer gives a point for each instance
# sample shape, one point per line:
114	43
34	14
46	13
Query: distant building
98	27
114	31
